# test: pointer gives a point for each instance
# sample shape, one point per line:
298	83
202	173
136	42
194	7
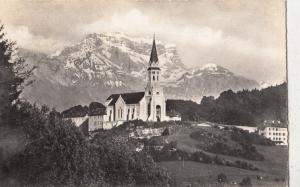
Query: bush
166	132
247	151
245	165
124	166
244	137
246	182
222	178
201	157
57	152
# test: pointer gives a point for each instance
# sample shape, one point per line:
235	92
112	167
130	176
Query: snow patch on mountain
101	64
210	67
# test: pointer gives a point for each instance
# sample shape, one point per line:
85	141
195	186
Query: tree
123	166
222	178
57	153
166	132
12	75
246	182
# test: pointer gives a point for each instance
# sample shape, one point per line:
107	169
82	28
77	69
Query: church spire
153	56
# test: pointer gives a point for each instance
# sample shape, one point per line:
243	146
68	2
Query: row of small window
97	123
153	77
132	115
275	138
277	134
156	93
276	129
120	114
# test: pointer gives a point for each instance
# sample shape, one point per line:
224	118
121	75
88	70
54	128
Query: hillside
188	152
273	169
101	64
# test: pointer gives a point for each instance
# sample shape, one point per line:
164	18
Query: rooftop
129	98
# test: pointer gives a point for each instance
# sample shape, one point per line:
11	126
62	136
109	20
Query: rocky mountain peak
105	63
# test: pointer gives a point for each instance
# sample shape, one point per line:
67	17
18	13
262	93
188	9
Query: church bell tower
156	104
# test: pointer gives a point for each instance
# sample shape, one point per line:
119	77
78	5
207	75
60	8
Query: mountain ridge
102	64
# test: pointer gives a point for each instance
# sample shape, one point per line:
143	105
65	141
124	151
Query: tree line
246	107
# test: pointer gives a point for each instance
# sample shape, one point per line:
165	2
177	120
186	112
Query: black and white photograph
181	93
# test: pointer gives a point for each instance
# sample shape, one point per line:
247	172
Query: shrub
57	152
201	157
244	137
166	132
124	166
222	178
246	182
247	151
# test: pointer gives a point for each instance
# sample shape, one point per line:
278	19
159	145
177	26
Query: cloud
132	22
25	39
245	36
136	23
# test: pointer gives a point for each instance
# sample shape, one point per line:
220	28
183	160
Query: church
149	105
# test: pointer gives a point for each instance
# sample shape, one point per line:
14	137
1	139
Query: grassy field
273	168
199	174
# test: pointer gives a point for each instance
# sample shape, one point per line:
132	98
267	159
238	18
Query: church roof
129	98
153	55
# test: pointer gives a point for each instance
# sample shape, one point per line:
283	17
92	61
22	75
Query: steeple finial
153	55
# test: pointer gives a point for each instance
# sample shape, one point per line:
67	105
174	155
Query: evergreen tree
12	75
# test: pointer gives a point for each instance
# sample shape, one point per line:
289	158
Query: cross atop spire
153	55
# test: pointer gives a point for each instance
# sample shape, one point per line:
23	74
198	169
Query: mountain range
106	63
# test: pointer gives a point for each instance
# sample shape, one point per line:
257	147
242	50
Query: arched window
109	115
153	77
132	116
149	109
128	114
158	113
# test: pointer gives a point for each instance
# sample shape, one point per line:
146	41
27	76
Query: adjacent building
88	118
275	133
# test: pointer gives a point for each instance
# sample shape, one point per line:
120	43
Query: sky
245	36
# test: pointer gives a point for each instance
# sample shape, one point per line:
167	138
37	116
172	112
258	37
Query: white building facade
277	134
